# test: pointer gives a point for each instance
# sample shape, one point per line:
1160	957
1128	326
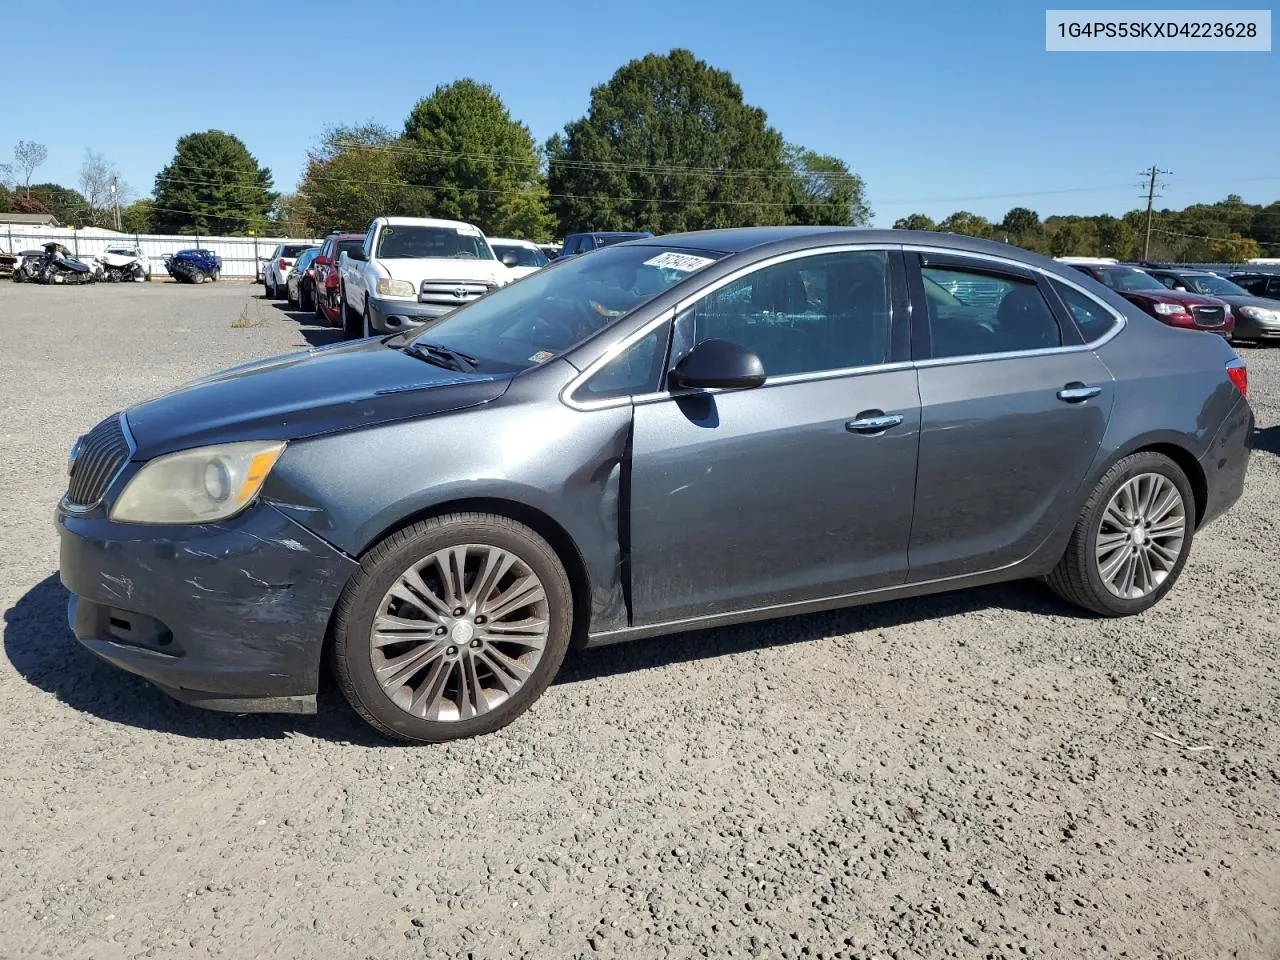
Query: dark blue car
194	266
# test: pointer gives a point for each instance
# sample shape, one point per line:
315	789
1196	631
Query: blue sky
939	106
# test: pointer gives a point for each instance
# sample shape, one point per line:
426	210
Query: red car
328	278
1192	311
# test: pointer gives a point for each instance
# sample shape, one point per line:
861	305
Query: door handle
873	421
1076	392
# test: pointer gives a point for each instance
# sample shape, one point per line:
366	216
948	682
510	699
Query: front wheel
352	322
197	276
1132	539
452	627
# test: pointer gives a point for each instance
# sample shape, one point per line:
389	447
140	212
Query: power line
1198	236
1151	194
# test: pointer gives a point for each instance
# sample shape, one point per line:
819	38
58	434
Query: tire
197	276
315	303
1079	576
266	291
352	322
273	292
215	275
464	703
366	321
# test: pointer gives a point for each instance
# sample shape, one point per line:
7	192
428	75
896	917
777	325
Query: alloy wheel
1140	536
459	632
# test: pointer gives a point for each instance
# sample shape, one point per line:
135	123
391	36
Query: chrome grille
453	293
103	451
1209	316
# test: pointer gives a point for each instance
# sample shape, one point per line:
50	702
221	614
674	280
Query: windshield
1214	286
542	316
524	256
122	251
413	242
1128	278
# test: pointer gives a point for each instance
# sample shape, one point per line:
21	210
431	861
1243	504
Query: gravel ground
977	775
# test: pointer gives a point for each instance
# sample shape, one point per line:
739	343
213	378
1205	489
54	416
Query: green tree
4	199
136	217
824	190
1069	237
467	159
915	221
667	145
964	222
1234	249
213	185
352	176
1020	221
68	205
1115	237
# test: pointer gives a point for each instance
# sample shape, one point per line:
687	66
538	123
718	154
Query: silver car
666	435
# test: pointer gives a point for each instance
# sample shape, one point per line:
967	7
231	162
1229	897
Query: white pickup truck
411	270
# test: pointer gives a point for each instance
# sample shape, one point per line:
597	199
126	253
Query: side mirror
321	261
718	364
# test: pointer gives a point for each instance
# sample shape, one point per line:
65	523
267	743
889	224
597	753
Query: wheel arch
1189	465
541	523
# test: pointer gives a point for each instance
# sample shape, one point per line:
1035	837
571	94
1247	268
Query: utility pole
115	199
1151	195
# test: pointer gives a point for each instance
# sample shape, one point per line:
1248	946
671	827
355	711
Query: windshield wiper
442	356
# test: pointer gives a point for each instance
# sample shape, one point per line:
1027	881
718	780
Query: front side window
1212	285
528	323
1091	317
808	315
973	313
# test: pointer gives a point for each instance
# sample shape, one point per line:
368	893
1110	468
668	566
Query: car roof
517	243
425	222
741	239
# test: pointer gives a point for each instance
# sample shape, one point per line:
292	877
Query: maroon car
328	291
1192	311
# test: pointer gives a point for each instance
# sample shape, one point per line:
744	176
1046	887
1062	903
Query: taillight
282	265
1239	375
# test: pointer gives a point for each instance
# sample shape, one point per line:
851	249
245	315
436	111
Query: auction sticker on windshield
684	262
542	356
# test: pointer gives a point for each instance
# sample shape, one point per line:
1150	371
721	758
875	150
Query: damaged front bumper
227	616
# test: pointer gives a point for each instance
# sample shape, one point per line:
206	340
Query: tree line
667	144
1229	231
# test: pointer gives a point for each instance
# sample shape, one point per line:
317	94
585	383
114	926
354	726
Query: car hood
417	269
305	394
1171	296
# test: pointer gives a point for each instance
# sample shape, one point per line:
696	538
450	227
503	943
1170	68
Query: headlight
1169	309
1261	313
395	288
198	486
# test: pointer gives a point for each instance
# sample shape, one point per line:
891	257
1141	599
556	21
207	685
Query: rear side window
1090	317
973	313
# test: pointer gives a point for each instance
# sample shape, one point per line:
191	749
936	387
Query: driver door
790	491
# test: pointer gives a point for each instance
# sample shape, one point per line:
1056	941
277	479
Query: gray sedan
664	435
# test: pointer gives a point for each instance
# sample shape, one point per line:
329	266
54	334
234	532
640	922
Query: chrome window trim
1120	318
76	510
566	393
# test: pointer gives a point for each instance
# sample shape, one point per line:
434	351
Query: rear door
800	489
1014	406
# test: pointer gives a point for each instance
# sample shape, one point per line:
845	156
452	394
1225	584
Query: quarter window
973	313
1091	317
808	315
634	371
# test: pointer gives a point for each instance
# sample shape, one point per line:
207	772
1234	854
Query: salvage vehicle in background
275	274
23	268
519	256
55	264
576	243
1191	311
329	278
655	438
195	265
301	283
1265	285
1256	318
411	270
122	265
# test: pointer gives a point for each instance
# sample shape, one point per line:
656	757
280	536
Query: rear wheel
452	627
1132	539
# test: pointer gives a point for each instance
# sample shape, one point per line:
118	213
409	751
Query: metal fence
241	256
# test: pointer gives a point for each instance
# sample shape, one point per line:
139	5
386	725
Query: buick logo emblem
460	293
74	455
